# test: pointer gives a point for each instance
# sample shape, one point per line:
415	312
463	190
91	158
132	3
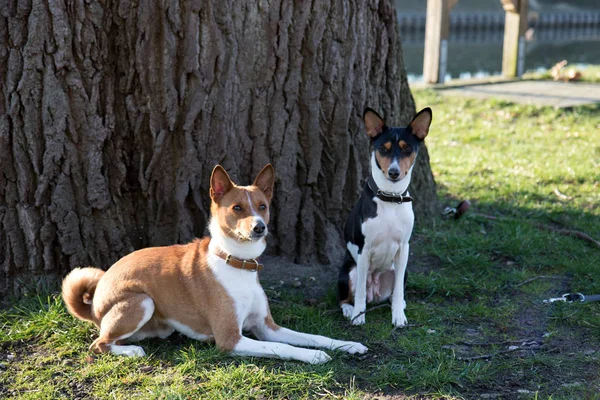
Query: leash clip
567	298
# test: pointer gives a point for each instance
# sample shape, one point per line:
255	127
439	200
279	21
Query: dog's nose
259	227
394	173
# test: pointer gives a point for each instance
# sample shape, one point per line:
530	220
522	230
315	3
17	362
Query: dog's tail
78	290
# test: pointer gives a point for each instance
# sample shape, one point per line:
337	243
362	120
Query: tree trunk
113	114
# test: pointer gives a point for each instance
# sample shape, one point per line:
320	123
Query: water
478	53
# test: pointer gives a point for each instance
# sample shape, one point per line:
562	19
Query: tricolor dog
380	224
207	289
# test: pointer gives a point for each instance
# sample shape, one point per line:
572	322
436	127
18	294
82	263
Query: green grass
527	165
589	73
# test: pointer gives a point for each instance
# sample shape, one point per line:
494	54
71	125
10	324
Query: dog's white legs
347	310
122	321
360	294
398	303
284	335
256	348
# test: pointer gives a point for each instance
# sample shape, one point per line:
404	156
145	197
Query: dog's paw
136	352
358	318
399	319
353	348
318	357
129	351
347	310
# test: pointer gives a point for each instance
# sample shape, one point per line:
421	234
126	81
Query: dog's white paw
129	351
353	348
137	352
347	310
318	357
358	317
399	319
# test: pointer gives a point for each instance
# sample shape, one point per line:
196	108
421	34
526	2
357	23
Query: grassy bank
478	325
589	73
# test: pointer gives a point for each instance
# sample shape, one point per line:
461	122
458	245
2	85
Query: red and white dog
207	289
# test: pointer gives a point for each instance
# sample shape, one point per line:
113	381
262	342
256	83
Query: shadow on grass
475	289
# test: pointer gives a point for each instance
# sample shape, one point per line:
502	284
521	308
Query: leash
574	297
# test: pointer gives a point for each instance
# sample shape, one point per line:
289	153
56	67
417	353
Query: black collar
388	196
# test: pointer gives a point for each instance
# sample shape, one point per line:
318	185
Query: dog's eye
237	208
262	207
407	149
383	150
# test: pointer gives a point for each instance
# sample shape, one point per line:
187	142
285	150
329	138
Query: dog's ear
420	123
264	181
373	123
219	183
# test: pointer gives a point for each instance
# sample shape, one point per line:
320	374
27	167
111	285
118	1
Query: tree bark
113	114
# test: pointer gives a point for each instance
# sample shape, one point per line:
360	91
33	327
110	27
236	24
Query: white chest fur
244	289
386	232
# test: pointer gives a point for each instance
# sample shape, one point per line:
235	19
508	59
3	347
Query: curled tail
78	289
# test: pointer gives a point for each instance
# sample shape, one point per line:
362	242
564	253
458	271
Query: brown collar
249	265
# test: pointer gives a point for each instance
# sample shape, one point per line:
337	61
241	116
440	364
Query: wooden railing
492	20
437	32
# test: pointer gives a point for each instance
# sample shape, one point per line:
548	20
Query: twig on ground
406	326
505	342
560	195
511	349
570	232
561	231
490	217
588	324
370	309
535	278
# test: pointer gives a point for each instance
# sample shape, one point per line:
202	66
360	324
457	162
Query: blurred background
558	30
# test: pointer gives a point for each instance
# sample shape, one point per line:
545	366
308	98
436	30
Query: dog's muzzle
259	230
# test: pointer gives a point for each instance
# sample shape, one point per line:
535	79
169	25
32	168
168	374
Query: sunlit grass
589	73
526	165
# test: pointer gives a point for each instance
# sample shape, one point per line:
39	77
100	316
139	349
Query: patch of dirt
382	396
312	281
81	390
531	327
532	320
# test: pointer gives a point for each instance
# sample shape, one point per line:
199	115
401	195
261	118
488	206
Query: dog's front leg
360	294
275	333
256	348
398	303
